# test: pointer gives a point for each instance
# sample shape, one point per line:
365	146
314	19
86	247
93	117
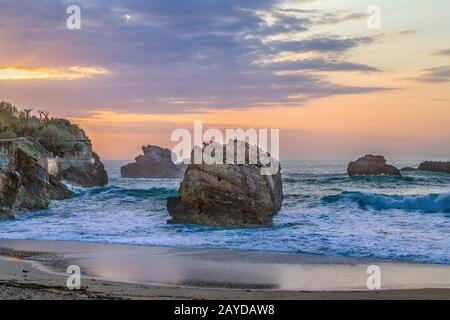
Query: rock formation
86	173
77	161
435	166
155	163
227	194
24	184
406	169
36	153
371	165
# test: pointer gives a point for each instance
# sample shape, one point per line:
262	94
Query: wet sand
36	270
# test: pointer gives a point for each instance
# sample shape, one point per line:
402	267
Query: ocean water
324	212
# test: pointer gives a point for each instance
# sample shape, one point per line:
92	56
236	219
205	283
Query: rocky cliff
36	153
77	161
24	184
156	162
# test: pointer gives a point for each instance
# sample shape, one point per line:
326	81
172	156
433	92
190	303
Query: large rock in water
227	194
435	166
155	163
371	165
24	184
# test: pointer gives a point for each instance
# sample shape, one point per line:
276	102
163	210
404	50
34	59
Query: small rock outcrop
155	163
58	190
24	184
435	166
406	169
227	194
84	173
371	165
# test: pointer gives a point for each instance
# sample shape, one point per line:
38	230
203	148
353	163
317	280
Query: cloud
320	44
172	51
334	18
321	64
406	32
321	17
434	75
444	52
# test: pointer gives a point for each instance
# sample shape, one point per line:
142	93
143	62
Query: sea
324	212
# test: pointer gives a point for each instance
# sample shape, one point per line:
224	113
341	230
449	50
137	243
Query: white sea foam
324	212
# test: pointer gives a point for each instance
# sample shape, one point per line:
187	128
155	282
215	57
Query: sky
138	69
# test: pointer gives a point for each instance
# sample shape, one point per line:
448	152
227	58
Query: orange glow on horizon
377	121
69	73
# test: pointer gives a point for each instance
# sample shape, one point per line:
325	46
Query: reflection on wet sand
224	268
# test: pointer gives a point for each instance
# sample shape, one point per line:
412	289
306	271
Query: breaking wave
425	203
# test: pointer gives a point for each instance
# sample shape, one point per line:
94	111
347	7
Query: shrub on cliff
58	136
7	134
14	124
8	122
7	107
61	137
55	140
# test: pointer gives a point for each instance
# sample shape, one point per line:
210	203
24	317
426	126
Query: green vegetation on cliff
29	177
57	136
29	147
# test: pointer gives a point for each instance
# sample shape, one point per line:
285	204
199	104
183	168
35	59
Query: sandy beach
36	270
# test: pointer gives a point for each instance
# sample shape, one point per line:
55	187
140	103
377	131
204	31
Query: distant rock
227	194
406	169
371	165
155	163
435	166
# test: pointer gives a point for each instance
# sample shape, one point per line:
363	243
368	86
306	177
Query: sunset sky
139	69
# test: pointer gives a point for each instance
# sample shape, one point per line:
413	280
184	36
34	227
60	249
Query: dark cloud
191	50
334	18
321	44
444	52
406	32
434	75
322	64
